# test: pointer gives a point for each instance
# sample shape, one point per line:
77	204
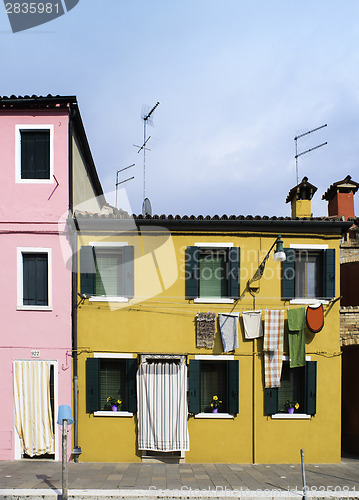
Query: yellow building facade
145	284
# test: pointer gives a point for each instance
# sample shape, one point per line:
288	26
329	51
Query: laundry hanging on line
228	324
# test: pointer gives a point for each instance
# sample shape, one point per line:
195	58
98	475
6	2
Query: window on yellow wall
308	273
213	378
298	385
107	271
212	272
113	378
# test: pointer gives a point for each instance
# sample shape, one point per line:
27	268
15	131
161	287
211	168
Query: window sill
108	299
210	300
308	301
291	416
34	308
112	414
214	415
35	181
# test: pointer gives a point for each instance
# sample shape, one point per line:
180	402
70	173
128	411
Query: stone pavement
31	479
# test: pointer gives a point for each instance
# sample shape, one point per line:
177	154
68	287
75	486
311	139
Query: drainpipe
73	238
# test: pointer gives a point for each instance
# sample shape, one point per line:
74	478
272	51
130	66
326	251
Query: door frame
17	442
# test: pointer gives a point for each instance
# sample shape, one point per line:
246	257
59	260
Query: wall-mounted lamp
279	256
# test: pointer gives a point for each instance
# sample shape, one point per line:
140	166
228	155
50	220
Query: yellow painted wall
165	323
84	197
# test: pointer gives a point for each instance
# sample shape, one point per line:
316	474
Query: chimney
300	197
340	197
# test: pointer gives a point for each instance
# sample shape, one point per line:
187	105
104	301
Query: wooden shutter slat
129	271
87	270
288	274
92	384
329	273
271	401
192	256
131	395
234	263
311	387
194	370
233	386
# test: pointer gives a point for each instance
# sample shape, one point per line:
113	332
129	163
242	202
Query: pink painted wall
30	202
29	217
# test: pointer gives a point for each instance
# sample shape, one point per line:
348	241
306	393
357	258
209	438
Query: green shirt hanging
296	337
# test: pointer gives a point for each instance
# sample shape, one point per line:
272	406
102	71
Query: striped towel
273	347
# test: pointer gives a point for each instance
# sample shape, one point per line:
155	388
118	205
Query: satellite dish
146	207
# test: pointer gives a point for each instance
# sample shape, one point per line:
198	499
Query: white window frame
20	278
213	300
213	357
29	127
292	416
113	355
108	245
309	247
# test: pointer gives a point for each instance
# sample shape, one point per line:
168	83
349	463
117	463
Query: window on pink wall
34	153
34	280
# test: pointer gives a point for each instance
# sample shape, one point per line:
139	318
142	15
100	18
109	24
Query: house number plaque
35	354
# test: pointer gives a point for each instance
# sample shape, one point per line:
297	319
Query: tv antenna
126	180
147	118
308	150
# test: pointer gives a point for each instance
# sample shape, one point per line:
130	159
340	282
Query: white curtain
162	406
33	419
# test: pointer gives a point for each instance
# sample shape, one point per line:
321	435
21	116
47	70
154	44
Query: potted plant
215	403
290	406
115	403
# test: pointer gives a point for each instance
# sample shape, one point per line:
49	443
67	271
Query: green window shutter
288	274
311	387
192	272
129	271
35	154
329	273
233	386
131	395
92	384
194	386
271	401
234	263
87	270
35	279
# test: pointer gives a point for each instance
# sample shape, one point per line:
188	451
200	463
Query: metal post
303	475
65	479
76	398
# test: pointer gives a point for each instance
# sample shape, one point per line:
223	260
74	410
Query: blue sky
237	80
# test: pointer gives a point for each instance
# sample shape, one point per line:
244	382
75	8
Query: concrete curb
181	494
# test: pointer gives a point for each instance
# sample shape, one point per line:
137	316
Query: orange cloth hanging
315	318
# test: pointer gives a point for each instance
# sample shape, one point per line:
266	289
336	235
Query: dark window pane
112	382
292	387
35	279
213	383
35	154
309	274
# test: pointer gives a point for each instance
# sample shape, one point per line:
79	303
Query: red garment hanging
315	318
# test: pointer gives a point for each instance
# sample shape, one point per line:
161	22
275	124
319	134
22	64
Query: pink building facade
47	169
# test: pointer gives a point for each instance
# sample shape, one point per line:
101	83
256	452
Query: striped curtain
162	406
33	419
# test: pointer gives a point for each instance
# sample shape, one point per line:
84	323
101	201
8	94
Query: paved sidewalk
42	479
